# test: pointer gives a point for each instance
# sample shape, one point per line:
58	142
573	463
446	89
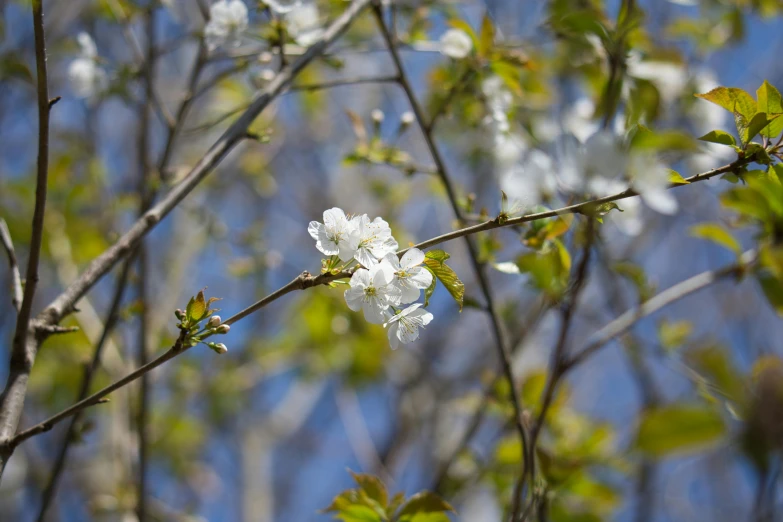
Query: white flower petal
354	298
456	43
411	258
661	201
420	278
360	278
373	310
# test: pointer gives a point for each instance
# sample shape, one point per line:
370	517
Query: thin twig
145	195
559	353
497	327
652	305
25	342
13	265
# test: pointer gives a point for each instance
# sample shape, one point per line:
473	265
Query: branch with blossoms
376	291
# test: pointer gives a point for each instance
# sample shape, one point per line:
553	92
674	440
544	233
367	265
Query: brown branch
63	304
146	195
301	282
13	266
25	342
497	327
559	353
623	323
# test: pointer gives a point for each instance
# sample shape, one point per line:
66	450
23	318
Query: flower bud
179	314
214	321
223	329
407	118
265	57
377	115
219	348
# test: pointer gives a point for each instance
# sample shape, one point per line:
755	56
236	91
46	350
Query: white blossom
85	76
372	291
336	235
668	77
372	241
601	156
283	6
303	24
528	183
404	325
228	19
456	43
409	276
499	100
650	179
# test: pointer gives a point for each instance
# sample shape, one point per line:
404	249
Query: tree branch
623	323
497	327
63	304
25	342
13	266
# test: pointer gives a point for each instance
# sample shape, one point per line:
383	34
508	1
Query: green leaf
358	513
548	269
773	290
677	429
672	335
430	289
373	487
719	136
733	100
636	275
749	129
675	178
434	260
422	504
713	364
769	101
486	36
197	307
717	234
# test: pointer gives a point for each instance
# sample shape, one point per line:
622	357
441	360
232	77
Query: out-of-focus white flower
650	179
404	326
303	24
336	235
601	156
499	101
409	276
283	6
371	291
456	43
372	240
670	78
704	115
578	119
528	183
85	76
228	19
508	149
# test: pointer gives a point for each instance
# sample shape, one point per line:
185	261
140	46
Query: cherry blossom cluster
383	282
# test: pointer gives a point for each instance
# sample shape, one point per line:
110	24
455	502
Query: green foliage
435	262
717	234
548	268
750	116
370	502
678	428
672	335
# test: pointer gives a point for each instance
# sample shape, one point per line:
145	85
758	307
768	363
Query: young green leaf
717	234
434	261
486	37
424	503
675	178
720	137
769	101
677	429
733	100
